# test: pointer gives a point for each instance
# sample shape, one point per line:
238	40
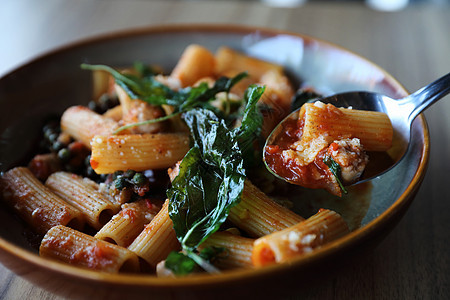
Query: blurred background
383	5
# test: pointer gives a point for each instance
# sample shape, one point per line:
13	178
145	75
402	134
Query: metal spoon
401	112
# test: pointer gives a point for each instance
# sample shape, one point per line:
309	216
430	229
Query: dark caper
92	105
64	154
47	133
120	183
90	172
139	179
87	161
103	107
56	146
53	137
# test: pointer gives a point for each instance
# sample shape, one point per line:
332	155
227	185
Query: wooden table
413	45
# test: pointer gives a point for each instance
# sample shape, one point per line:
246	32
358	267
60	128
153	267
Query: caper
64	154
92	105
87	161
139	179
56	146
120	183
53	137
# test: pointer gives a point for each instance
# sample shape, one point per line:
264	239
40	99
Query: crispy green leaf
147	88
183	264
250	129
210	181
180	264
335	169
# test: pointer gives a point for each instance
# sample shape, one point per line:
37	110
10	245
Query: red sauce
130	213
266	256
94	164
98	256
314	175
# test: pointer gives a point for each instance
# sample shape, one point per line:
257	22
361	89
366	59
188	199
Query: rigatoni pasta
35	203
374	129
83	124
157	239
326	147
137	152
76	248
238	250
195	63
258	215
82	194
302	238
125	226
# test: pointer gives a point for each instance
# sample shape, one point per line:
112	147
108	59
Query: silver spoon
401	112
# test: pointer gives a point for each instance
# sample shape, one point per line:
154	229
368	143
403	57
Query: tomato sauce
314	175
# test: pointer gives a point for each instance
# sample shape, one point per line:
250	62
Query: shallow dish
51	83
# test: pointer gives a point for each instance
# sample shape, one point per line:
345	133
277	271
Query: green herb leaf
210	181
143	70
335	169
183	264
147	88
180	264
250	129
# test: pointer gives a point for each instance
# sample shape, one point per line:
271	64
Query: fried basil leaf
249	132
210	180
335	169
183	264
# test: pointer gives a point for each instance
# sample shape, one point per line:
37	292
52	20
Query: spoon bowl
401	113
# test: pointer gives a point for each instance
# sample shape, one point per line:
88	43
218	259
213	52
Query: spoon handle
426	96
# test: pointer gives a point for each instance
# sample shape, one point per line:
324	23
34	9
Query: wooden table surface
413	262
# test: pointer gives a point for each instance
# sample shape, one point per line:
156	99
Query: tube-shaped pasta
114	113
277	97
125	226
35	203
299	239
196	62
82	194
238	250
76	248
157	239
258	215
137	152
101	83
83	124
228	59
374	129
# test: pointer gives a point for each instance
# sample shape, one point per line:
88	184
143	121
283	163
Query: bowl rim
342	244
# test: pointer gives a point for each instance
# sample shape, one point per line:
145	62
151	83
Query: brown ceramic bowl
52	82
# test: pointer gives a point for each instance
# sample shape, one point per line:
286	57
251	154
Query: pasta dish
163	174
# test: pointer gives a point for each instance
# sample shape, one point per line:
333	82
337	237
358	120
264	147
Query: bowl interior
51	83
